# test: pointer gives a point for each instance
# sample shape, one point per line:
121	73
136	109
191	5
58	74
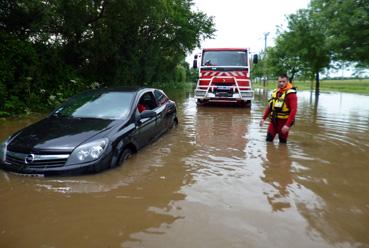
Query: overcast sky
242	23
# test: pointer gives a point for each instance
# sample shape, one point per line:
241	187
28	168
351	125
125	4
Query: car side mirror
194	64
255	59
147	114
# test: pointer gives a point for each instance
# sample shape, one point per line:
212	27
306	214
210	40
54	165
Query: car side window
161	98
146	102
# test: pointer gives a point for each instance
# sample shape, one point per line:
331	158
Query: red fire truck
224	76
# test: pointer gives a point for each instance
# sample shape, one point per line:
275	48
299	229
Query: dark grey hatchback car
90	132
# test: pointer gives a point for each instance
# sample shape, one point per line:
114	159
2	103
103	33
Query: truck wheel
201	101
245	104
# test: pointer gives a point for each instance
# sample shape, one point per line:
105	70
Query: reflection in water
277	173
221	131
315	104
211	182
333	163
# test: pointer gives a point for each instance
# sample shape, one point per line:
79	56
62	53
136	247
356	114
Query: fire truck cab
224	76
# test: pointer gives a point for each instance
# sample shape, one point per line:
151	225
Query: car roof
133	89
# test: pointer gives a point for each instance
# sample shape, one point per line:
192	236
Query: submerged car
90	132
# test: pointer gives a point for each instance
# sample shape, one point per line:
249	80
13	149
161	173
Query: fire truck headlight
200	93
247	94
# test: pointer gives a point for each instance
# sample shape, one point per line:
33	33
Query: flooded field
211	182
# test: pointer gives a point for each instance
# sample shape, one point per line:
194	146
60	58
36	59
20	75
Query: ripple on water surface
211	182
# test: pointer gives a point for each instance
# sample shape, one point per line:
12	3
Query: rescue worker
281	108
141	107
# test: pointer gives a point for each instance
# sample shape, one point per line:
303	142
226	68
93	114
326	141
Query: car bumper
245	95
76	169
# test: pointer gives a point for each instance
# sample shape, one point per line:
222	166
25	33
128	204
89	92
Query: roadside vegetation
358	86
328	34
51	50
173	86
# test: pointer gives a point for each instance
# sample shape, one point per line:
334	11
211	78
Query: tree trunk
293	72
317	83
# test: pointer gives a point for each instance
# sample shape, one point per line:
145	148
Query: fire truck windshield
224	58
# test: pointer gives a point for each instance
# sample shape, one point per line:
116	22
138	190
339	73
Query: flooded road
211	182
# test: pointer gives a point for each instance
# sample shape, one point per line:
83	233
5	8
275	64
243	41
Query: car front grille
36	160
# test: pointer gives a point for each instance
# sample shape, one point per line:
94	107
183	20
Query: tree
303	47
347	25
62	46
280	59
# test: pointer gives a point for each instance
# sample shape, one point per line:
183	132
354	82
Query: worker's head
282	80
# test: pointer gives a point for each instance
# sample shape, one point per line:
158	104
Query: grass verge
358	86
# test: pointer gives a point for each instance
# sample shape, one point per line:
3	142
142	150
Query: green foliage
301	50
194	75
258	70
13	105
170	86
180	73
347	26
54	49
317	37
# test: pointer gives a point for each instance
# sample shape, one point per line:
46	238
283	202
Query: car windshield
224	58
103	105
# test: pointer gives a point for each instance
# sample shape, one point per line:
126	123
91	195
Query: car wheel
174	123
126	154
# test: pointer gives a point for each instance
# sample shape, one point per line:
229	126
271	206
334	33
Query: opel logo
29	159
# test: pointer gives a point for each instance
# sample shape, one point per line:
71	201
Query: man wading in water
281	108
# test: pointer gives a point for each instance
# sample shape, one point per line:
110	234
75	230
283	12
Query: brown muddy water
211	182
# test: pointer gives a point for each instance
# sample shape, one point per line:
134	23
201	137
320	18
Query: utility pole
265	47
265	40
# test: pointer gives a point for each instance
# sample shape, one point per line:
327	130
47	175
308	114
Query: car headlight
88	152
3	146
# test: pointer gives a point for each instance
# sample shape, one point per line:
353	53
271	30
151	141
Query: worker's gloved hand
285	129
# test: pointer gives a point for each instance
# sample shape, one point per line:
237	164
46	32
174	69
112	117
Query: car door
162	120
163	116
146	127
